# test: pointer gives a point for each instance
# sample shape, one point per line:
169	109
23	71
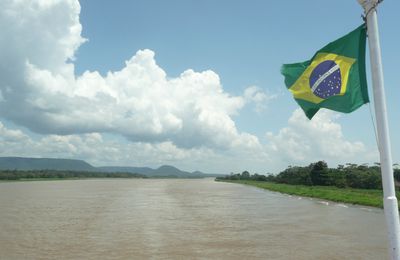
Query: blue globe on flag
325	79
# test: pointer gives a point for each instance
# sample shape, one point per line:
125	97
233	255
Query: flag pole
389	194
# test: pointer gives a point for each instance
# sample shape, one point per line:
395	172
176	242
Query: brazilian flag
334	78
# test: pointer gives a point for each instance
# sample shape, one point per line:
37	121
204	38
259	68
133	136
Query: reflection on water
179	219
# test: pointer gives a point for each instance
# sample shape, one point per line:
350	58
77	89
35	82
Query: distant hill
141	170
163	171
21	163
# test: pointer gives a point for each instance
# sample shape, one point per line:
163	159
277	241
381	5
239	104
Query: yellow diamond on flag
332	73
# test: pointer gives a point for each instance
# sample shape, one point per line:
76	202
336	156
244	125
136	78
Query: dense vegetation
319	174
54	174
350	183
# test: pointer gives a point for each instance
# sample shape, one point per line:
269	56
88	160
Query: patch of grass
365	197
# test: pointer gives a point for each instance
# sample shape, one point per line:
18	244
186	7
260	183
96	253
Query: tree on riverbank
319	174
54	174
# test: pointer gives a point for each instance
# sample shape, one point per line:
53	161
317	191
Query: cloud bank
311	140
189	117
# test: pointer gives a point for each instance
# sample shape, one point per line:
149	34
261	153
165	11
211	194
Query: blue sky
243	43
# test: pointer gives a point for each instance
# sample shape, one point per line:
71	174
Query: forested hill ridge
28	164
38	164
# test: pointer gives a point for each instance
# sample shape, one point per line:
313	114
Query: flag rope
374	127
364	17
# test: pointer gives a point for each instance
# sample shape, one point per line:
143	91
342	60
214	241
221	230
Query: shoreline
363	197
57	179
98	178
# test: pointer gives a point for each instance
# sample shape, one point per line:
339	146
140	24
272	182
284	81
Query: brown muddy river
179	219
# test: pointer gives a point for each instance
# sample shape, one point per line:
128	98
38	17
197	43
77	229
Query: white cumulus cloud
258	97
321	138
39	88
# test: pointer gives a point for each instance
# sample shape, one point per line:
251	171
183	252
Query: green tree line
318	173
60	174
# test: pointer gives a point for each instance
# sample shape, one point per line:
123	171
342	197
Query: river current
179	219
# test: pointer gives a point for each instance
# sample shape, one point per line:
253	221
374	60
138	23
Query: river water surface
179	219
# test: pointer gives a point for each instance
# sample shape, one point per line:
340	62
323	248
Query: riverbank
62	179
95	178
364	197
40	179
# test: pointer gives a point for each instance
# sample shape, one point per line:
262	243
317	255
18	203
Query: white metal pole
389	194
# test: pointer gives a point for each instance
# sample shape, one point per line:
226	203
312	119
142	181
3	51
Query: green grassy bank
346	195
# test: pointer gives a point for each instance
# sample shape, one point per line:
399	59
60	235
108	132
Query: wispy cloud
258	97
